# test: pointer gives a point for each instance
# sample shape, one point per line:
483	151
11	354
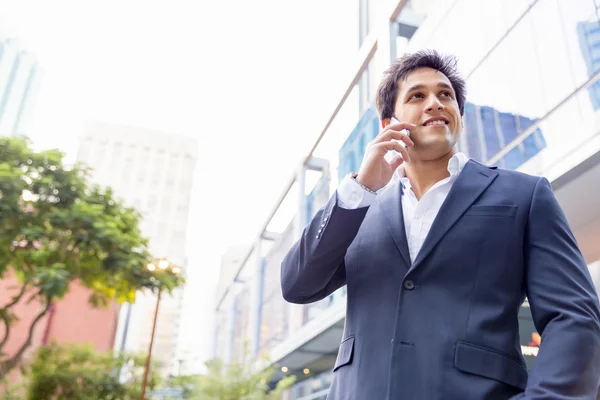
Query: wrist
366	186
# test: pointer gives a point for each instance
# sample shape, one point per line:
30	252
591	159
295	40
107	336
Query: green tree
80	373
55	229
12	391
188	384
244	379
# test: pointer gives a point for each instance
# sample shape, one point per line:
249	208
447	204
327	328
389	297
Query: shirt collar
455	166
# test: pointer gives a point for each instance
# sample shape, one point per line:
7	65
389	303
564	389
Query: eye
447	94
416	96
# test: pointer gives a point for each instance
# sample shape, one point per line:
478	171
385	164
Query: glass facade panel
516	77
487	131
313	310
363	20
313	387
220	333
588	43
566	130
225	322
240	328
522	80
469	29
317	198
353	149
274	309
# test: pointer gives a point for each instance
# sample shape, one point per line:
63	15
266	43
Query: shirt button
409	285
354	197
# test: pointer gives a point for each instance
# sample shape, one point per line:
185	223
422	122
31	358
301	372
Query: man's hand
375	171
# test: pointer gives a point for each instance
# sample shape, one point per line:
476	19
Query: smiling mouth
436	123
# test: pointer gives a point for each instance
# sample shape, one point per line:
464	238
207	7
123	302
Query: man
438	262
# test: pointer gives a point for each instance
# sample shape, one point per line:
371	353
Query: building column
256	295
230	332
300	221
294	310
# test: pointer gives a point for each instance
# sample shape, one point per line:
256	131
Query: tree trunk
5	316
7	365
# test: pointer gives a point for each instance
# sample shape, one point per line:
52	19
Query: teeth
435	123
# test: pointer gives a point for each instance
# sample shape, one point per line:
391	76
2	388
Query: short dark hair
387	92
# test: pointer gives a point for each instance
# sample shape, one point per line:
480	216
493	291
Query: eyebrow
421	86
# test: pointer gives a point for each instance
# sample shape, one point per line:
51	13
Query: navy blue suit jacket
445	326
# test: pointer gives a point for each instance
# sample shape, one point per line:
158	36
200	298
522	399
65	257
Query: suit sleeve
314	267
564	305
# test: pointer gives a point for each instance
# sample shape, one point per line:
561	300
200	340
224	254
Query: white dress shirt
418	214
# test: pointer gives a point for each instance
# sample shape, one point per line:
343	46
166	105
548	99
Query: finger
394	146
397	127
395	135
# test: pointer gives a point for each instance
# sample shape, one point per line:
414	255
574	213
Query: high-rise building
19	83
532	71
152	172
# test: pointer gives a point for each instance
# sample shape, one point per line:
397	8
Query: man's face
426	98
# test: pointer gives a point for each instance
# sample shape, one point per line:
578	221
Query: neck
423	174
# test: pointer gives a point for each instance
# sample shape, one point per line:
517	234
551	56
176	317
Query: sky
253	81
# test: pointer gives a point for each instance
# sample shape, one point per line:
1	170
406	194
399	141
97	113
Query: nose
434	103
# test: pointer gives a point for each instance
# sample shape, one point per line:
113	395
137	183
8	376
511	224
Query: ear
385	122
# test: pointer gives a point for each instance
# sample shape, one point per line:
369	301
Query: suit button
409	285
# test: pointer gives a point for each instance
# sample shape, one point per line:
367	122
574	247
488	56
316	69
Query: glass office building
533	80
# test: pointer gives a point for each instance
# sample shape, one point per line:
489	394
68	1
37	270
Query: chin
434	147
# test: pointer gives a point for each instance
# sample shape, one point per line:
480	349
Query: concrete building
19	84
152	172
531	76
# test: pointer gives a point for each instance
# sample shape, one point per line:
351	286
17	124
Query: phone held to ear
392	153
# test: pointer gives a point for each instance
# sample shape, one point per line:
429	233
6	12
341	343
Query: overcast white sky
254	81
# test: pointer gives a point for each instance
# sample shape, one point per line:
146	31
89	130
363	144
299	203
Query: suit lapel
390	201
469	185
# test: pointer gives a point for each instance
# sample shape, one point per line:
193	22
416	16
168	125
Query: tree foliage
245	378
57	228
80	373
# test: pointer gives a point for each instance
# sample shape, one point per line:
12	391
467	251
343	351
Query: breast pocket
492	211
